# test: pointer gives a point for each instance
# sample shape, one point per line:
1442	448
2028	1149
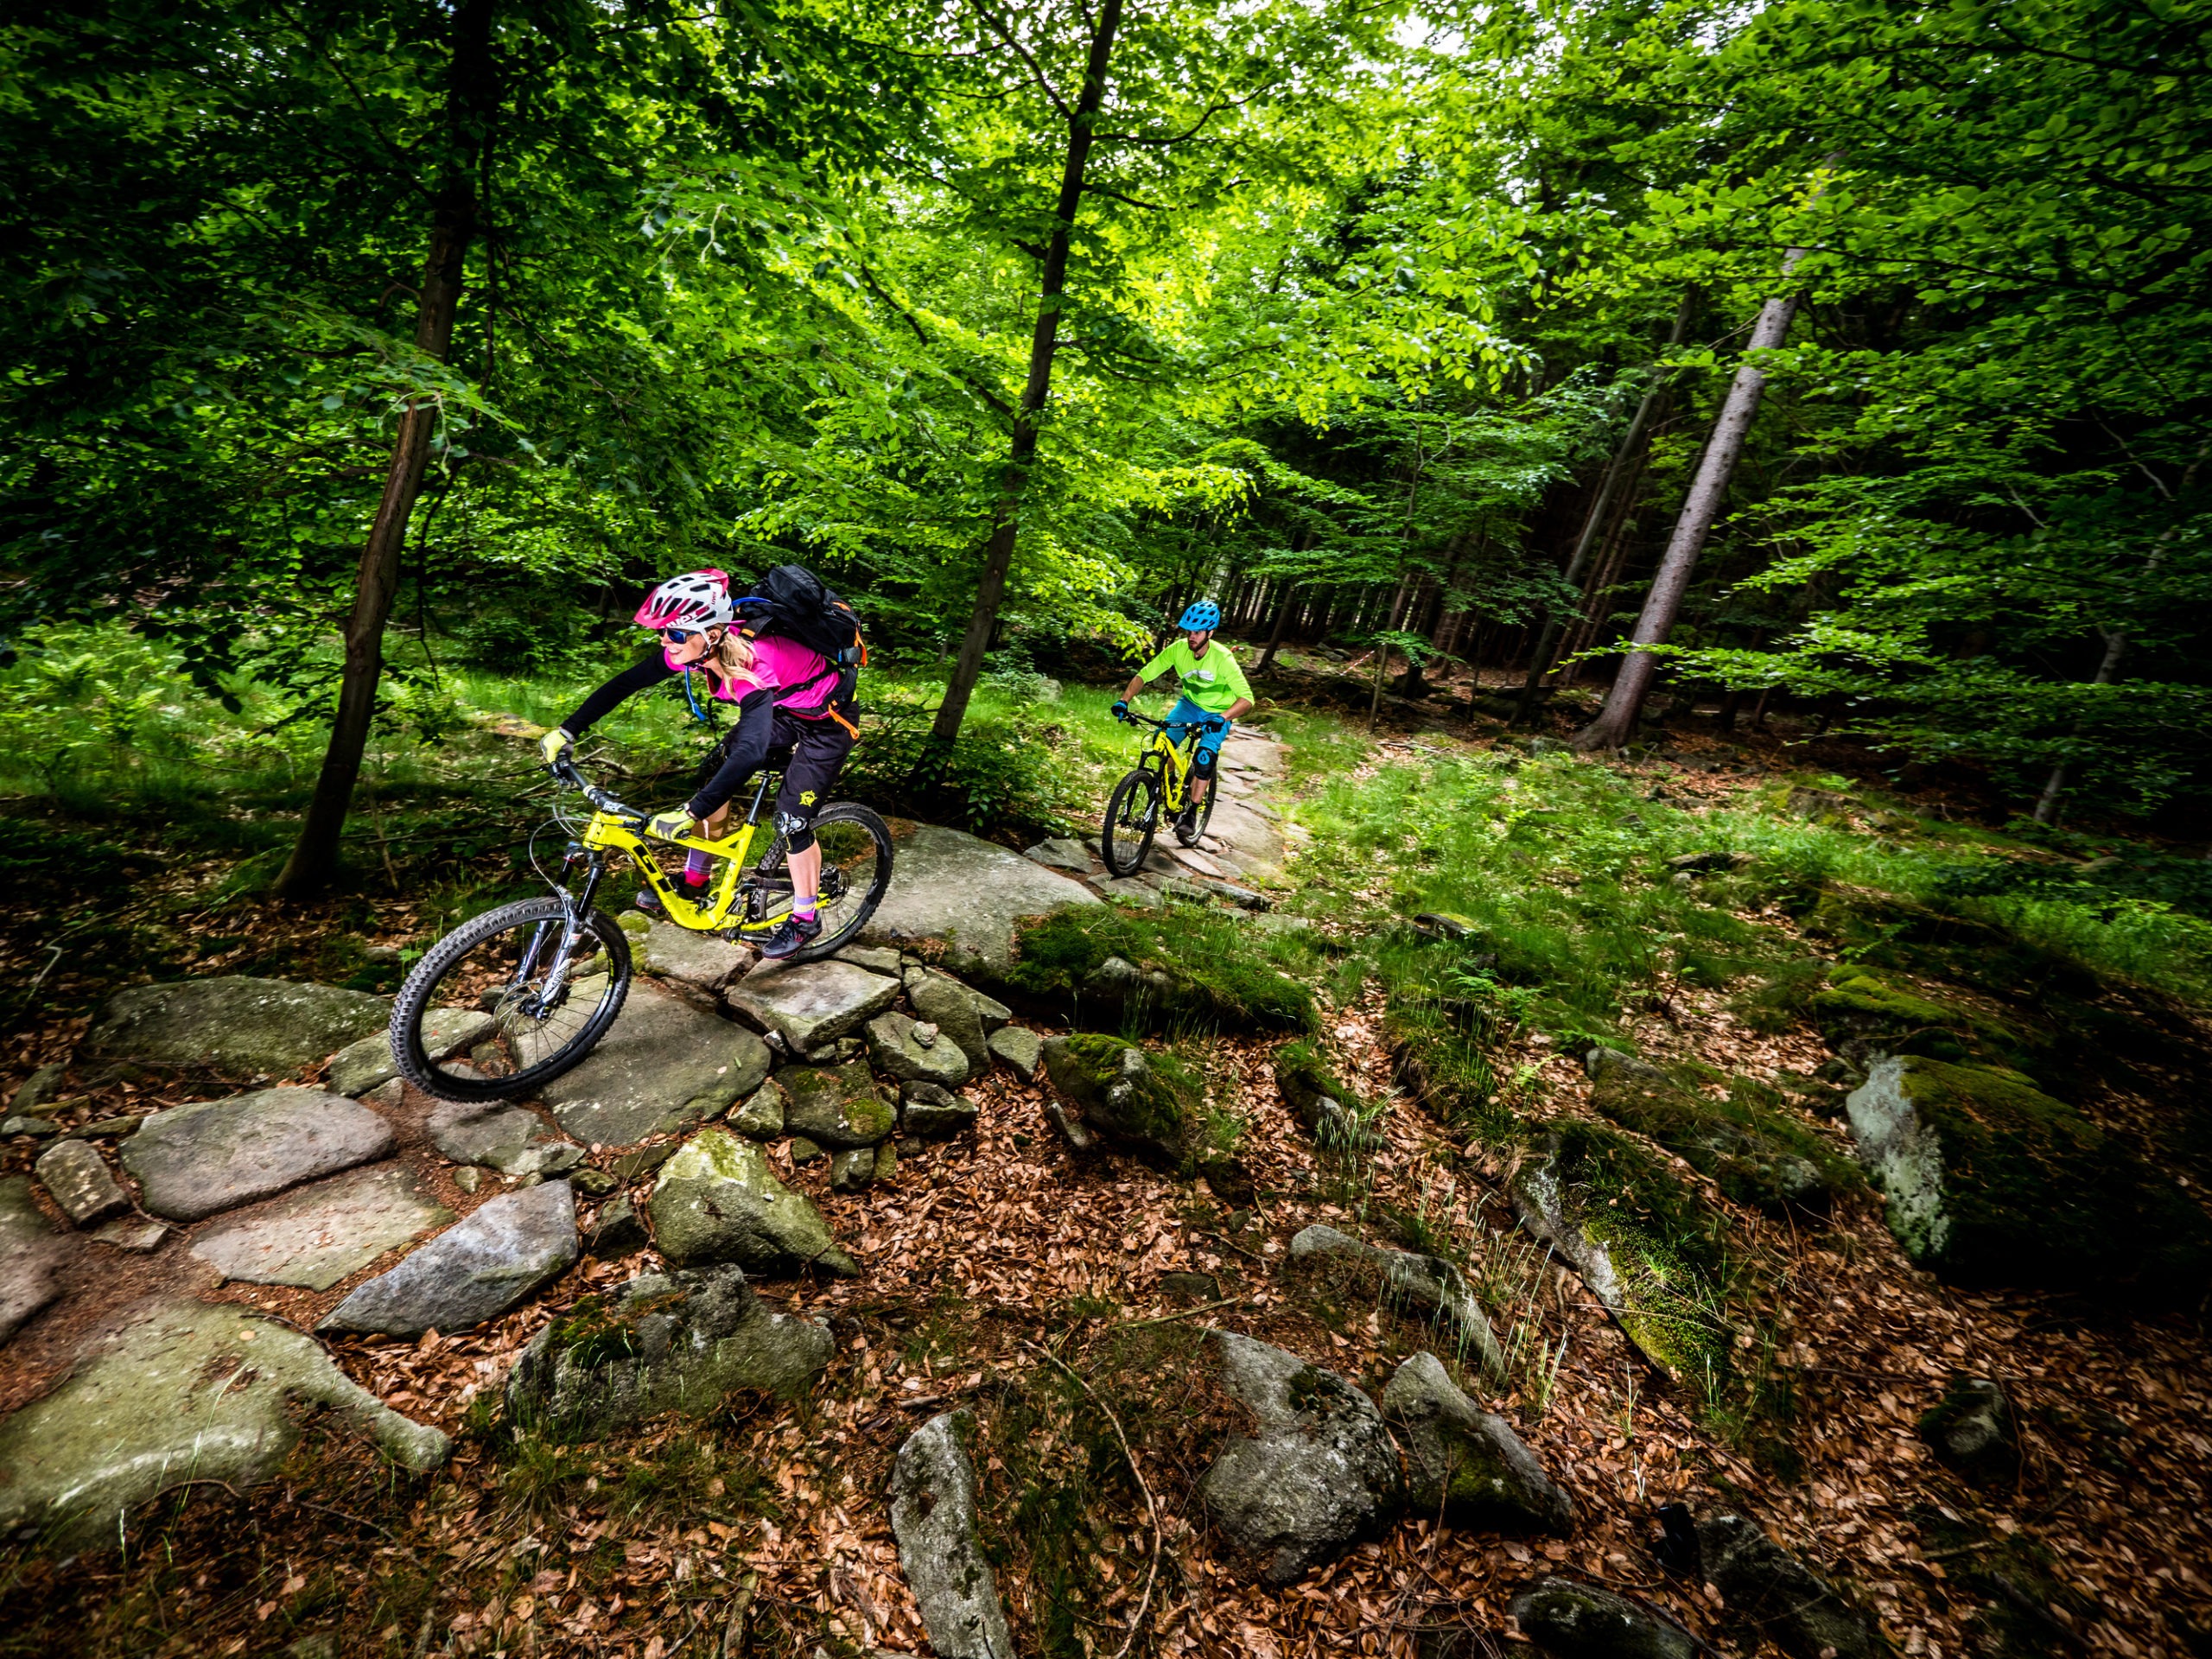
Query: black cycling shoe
1187	826
792	934
649	901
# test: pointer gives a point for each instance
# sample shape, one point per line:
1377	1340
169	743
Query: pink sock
695	866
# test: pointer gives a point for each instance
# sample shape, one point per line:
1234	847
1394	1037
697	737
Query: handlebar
1136	719
564	770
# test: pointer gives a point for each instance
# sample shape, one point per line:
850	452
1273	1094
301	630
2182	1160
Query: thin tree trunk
472	100
1708	491
998	551
1578	564
1612	557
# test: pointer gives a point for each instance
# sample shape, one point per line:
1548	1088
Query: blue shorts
1186	713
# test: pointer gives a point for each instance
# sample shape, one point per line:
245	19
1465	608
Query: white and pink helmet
697	599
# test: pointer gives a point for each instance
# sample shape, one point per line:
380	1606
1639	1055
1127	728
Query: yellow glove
670	825
556	744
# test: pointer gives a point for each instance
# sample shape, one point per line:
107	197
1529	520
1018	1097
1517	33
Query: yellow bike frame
607	833
1175	776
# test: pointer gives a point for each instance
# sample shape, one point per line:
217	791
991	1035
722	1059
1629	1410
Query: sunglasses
679	636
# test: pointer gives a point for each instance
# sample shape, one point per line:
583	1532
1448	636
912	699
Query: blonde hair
732	659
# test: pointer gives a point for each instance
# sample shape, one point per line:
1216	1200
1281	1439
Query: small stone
897	1052
852	1169
1971	1429
469	1178
592	1182
37	1127
34	1093
803	1151
1570	1619
388	1096
717	1200
925	1033
470	1273
320	1646
933	1112
1021	1049
618	1231
760	1116
887	1162
843	1052
77	1179
1072	1129
127	1233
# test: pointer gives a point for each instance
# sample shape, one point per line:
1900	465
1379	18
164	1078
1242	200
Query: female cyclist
786	701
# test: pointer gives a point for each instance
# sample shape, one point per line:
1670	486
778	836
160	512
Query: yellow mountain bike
1158	786
507	1002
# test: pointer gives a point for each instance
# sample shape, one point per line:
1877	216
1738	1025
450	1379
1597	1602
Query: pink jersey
803	679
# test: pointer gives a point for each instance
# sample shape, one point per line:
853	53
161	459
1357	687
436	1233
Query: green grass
1222	974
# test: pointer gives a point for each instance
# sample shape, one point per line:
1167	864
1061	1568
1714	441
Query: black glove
1121	711
1217	724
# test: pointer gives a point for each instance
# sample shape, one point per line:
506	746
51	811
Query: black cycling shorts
811	753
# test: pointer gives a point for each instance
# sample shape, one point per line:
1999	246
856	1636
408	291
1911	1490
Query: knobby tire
771	864
1135	801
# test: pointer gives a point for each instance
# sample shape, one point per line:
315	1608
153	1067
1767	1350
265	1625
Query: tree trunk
1708	490
998	551
472	101
1578	564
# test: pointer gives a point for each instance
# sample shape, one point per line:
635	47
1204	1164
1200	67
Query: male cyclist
1214	692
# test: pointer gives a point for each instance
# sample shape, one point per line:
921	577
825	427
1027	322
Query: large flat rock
471	1272
184	1392
810	1004
321	1234
664	1066
701	959
950	886
30	1252
510	1139
194	1160
249	1029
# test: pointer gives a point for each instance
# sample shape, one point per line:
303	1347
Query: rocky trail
857	1307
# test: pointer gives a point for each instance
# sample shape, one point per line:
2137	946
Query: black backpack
791	601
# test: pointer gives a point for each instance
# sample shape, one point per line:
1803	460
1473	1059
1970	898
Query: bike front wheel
1132	817
855	870
499	1008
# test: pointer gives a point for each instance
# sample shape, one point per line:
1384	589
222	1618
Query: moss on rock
1195	967
1991	1181
1124	1093
1757	1152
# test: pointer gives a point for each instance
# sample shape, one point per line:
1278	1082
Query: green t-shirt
1213	681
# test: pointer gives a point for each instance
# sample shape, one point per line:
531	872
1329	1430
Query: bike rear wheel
1132	818
500	965
855	870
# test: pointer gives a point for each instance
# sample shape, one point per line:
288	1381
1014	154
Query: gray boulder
1321	1474
836	1106
663	1067
1426	1283
1123	1095
1971	1429
35	1095
717	1200
968	895
853	1169
1063	853
760	1115
250	1029
876	959
1569	1619
194	1160
359	1067
935	1519
471	1272
685	1342
811	1004
933	1114
616	1231
1788	1603
76	1178
1021	1049
894	1045
1466	1465
964	1015
30	1252
510	1139
317	1235
704	961
185	1391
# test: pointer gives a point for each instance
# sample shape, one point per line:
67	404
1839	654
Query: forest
1691	989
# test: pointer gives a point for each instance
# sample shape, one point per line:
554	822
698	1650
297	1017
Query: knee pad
798	831
1202	766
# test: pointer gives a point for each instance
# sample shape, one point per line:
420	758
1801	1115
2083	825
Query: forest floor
1035	1285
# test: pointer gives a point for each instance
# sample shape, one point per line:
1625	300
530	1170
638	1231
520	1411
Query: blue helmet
1203	617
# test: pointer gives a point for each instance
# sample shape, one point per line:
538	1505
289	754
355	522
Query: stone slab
896	1049
359	1067
1021	1049
701	959
717	1200
76	1178
1064	853
968	894
185	1391
836	1106
471	1272
318	1234
811	1004
500	1136
664	1066
194	1160
30	1251
233	1027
